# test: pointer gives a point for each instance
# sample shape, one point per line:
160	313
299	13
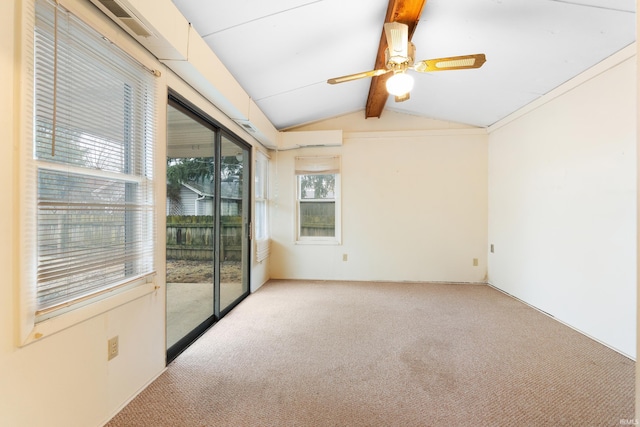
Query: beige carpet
387	354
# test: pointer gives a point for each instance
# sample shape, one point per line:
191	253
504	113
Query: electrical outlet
475	262
492	248
345	257
112	348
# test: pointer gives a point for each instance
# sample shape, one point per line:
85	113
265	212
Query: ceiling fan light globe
400	84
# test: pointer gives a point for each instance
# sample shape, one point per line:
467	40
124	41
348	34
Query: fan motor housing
400	62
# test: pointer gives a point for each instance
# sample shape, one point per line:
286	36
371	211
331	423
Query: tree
198	170
180	170
322	185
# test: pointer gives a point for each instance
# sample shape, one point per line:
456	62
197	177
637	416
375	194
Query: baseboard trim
562	322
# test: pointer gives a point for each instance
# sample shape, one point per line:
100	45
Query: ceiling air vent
121	14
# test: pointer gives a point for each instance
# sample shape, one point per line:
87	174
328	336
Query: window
318	188
91	165
261	206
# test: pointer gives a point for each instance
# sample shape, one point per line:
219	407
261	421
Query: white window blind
317	165
261	212
92	155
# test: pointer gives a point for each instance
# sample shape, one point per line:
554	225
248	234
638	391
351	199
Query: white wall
562	203
414	208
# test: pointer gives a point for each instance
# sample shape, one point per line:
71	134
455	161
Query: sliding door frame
246	226
182	104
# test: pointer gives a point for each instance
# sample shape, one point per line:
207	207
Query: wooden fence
191	238
317	219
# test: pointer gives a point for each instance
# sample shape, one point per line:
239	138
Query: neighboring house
196	199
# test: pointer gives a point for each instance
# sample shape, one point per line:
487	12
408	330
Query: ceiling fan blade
451	63
356	76
398	41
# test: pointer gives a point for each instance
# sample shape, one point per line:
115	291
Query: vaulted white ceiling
283	51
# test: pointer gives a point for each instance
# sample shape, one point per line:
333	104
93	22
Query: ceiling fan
400	57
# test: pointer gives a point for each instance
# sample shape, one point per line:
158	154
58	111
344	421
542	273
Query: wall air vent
122	15
246	125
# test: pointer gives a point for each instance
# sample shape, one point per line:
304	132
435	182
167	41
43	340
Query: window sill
327	242
50	326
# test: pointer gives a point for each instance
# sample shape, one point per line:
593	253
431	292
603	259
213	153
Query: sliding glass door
234	215
190	227
207	208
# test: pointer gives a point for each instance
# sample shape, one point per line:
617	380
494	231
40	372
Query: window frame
318	165
32	324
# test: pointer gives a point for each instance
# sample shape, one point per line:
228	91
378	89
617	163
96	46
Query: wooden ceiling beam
404	11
